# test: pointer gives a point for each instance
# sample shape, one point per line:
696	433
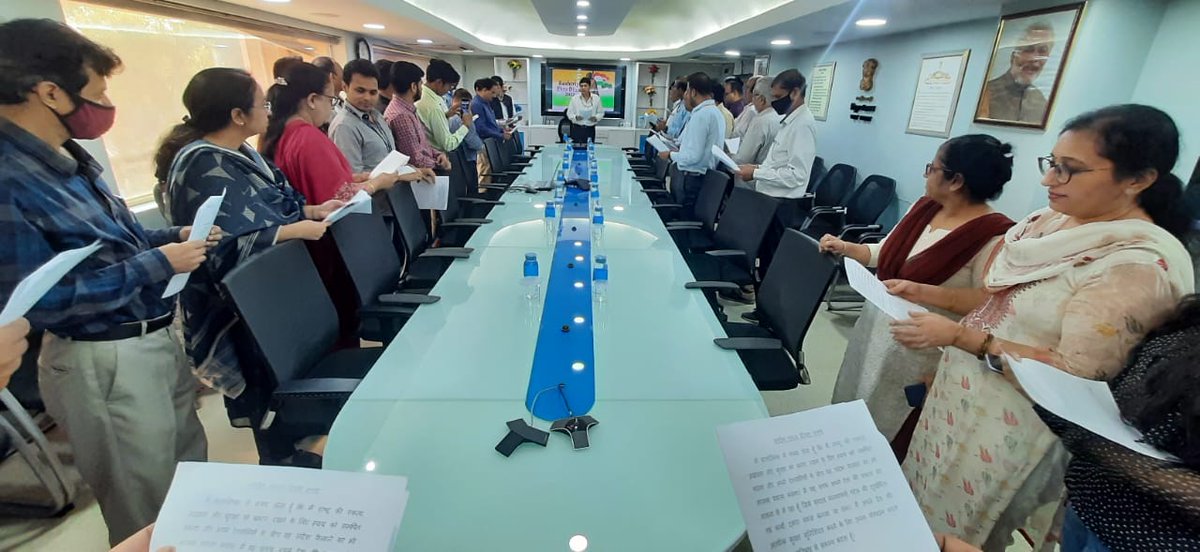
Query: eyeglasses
267	107
333	100
1062	173
930	167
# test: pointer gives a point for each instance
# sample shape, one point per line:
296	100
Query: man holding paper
705	130
107	315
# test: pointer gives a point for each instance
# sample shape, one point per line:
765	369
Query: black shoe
751	316
737	296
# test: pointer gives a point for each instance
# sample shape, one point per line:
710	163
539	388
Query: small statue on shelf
868	78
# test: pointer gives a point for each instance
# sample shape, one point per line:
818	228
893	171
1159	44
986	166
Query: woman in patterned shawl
206	156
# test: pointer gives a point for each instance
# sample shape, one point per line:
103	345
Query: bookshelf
661	81
518	81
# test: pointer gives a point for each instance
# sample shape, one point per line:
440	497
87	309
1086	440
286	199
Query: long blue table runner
565	349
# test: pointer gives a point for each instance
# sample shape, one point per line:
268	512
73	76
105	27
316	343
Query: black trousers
581	133
789	214
691	190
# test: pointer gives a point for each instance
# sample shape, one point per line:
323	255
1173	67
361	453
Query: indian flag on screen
566	86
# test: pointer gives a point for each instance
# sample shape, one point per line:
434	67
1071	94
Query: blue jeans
1076	537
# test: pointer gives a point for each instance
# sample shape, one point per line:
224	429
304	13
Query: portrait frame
762	65
998	102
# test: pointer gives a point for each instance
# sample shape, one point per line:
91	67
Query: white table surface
436	403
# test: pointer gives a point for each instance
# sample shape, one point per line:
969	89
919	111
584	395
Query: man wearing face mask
785	171
705	129
756	143
1012	96
111	370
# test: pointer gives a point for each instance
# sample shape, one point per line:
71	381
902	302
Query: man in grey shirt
359	130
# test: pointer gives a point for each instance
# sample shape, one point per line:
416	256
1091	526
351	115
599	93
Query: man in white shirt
705	129
584	112
785	172
756	142
741	124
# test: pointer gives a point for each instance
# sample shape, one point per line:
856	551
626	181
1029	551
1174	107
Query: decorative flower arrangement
515	65
650	91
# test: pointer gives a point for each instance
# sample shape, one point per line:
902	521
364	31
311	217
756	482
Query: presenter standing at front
584	112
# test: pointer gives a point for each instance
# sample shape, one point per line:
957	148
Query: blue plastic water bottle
529	279
598	214
600	278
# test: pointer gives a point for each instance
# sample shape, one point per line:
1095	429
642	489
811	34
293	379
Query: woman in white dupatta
1075	285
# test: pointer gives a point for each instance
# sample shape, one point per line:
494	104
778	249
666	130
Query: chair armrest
684	228
448	253
474	220
712	284
493	187
408	299
852	230
834	216
725	252
684	224
654	191
520	164
315	388
631	149
381	311
460	223
827	209
666	206
871	237
477	201
748	343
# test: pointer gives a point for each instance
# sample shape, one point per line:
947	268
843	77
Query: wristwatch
994	363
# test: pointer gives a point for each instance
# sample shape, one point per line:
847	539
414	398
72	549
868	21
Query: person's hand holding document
660	145
867	285
1086	403
359	204
395	162
732	144
724	159
206	217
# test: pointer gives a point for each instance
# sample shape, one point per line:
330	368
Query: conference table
437	402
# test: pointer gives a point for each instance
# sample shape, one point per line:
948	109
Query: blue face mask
782	105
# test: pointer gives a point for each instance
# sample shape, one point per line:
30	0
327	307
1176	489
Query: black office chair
512	149
564	129
818	172
787	303
736	240
672	194
375	269
500	172
657	179
708	208
288	329
831	191
423	265
858	216
466	203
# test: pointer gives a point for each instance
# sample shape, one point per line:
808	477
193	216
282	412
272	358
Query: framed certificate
820	85
939	82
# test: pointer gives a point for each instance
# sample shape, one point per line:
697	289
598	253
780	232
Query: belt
690	173
129	330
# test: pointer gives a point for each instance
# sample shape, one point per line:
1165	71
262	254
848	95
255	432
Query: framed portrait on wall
762	64
1026	66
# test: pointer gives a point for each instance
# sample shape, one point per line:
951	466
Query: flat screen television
560	82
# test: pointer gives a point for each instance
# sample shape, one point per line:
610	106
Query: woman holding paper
1075	285
206	156
303	102
584	111
944	240
1122	500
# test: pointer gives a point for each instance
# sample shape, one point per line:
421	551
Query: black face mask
782	105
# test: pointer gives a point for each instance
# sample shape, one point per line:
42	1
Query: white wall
1169	79
1112	44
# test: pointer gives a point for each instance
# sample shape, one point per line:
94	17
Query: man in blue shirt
486	125
679	111
111	370
705	129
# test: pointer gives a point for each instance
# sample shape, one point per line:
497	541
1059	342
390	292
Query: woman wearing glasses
945	240
302	102
1075	285
206	156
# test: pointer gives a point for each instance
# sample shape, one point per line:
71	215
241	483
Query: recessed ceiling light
732	53
871	22
780	42
538	55
277	1
468	51
624	59
424	41
583	3
581	17
375	26
221	45
581	27
309	48
580	34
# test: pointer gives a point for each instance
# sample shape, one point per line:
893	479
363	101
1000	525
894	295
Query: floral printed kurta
981	460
